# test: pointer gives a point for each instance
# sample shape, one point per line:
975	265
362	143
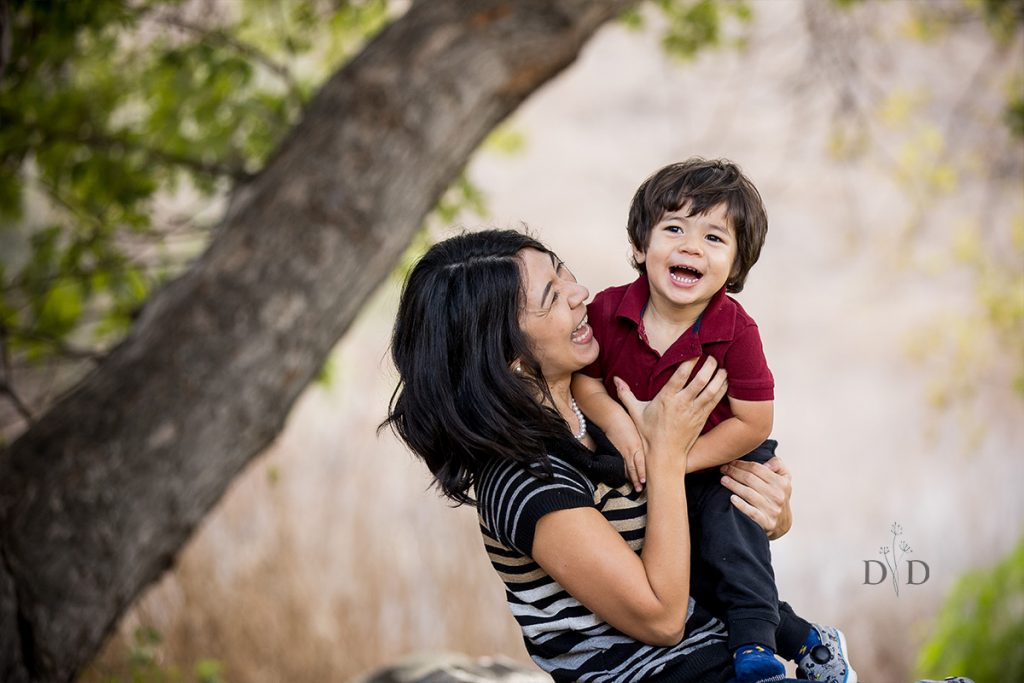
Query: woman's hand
677	414
761	492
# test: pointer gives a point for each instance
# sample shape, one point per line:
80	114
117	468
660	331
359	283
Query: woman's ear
517	367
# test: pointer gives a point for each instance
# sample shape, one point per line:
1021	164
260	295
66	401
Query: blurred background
887	139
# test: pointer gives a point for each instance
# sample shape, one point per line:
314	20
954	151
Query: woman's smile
582	334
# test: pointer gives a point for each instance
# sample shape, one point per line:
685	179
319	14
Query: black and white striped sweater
565	638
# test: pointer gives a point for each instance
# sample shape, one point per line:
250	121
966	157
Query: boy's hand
628	441
637	470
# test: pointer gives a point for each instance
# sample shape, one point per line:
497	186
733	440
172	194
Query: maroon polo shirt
724	331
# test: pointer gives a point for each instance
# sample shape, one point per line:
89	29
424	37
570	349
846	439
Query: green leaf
328	373
632	19
506	140
694	26
461	198
209	671
61	308
981	626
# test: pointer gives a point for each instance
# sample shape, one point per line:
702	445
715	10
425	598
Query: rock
455	668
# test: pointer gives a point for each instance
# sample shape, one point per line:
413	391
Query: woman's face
555	316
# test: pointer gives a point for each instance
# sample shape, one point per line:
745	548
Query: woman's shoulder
502	478
512	497
566	463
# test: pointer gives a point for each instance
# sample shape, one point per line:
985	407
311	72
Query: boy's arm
599	407
747	429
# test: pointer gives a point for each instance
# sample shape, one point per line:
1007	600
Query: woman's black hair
458	402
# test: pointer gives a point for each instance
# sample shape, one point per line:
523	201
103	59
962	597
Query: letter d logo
910	572
867	572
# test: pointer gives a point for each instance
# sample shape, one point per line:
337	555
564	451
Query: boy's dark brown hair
705	184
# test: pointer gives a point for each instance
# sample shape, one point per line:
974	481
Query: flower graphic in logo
894	554
892	557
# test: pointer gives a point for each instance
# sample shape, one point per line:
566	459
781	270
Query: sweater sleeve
511	499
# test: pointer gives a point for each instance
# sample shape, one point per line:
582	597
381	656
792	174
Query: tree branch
219	36
128	143
7	390
61	347
6	36
6	387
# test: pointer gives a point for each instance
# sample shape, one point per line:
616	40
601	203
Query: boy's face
688	259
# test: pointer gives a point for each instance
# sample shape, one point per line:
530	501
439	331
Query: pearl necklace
579	416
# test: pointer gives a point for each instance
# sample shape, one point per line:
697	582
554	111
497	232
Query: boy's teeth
684	275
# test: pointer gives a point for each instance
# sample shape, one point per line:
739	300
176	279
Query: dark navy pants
731	566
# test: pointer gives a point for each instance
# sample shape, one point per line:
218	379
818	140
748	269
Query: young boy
696	229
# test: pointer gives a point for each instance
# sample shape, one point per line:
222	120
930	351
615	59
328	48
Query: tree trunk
101	493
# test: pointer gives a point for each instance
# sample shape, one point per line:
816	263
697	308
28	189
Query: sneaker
757	664
948	679
827	660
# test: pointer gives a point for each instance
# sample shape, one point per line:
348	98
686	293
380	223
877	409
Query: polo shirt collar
635	300
717	323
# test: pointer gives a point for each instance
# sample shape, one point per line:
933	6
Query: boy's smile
685	275
689	258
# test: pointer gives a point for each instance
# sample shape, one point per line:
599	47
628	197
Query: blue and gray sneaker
824	657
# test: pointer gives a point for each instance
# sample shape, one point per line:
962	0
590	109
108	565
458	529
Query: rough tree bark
99	495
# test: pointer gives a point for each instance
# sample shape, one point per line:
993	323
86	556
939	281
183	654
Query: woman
490	328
